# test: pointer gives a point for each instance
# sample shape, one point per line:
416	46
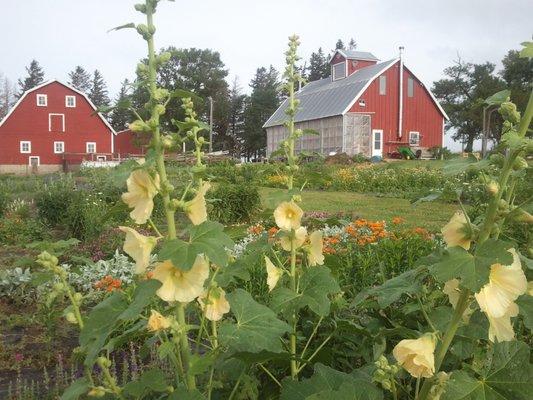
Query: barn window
25	147
59	147
70	101
91	147
410	87
382	84
339	71
414	138
34	161
42	100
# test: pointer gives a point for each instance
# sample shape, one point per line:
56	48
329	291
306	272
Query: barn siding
28	122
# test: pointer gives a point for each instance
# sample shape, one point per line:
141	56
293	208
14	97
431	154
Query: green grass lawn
430	215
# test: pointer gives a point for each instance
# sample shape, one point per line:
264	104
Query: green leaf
78	388
130	25
207	238
527	51
508	375
525	307
498	98
327	383
150	381
142	296
316	284
458	165
183	394
257	327
494	251
165	349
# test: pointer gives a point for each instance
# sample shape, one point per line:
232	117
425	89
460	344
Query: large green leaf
527	51
498	98
508	375
150	381
257	327
316	284
327	383
208	238
78	388
525	306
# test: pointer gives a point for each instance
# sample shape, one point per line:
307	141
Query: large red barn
51	127
365	107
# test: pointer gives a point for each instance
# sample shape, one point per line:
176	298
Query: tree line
238	117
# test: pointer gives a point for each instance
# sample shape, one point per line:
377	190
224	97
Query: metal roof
359	55
326	98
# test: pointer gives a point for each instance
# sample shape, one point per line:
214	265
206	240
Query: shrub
3	201
52	200
17	230
234	203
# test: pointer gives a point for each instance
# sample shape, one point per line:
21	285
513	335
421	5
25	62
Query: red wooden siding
354	65
39	125
420	113
127	143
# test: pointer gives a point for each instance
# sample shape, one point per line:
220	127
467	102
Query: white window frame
41	96
410	87
87	147
73	98
50	121
101	158
382	85
22	143
411	135
38	160
333	70
62	147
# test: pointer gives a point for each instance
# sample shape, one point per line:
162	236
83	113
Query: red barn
51	127
365	107
130	144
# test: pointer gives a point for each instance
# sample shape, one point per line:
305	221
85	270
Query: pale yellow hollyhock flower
417	356
288	215
138	247
196	208
273	274
506	283
157	322
315	256
299	239
179	285
501	328
454	232
142	189
215	304
451	289
530	288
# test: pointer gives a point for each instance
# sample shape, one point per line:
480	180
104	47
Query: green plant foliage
233	204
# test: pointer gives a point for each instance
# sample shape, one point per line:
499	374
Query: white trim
87	147
443	131
106	122
98	158
418	141
62	148
50	121
37	96
373	140
400	99
67	97
22	142
38	160
333	79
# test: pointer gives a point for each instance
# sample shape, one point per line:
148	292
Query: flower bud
78	297
139	126
103	362
497	159
160	109
98	391
492	188
167	141
71	318
519	163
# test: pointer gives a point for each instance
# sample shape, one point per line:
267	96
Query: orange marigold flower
398	220
272	231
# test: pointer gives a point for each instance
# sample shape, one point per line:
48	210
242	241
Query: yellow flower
314	251
157	322
273	274
196	208
530	288
138	247
501	328
299	238
288	215
416	356
455	232
140	195
506	283
451	288
215	305
179	285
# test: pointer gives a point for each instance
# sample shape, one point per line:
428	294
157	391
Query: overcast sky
61	34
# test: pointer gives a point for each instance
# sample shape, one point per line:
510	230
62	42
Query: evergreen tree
237	103
80	79
98	92
352	45
318	66
261	105
35	77
121	116
339	45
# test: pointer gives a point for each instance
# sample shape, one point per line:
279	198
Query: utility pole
210	124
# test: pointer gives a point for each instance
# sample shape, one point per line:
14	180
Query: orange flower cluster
256	229
108	283
365	232
272	232
329	242
398	220
422	232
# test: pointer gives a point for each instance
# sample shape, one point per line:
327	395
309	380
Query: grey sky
61	34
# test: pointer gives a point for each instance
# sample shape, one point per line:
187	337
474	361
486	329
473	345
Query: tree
35	77
352	45
318	66
120	116
462	96
339	45
98	92
518	74
80	79
7	95
237	106
261	105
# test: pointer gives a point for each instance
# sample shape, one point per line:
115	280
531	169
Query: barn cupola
346	62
